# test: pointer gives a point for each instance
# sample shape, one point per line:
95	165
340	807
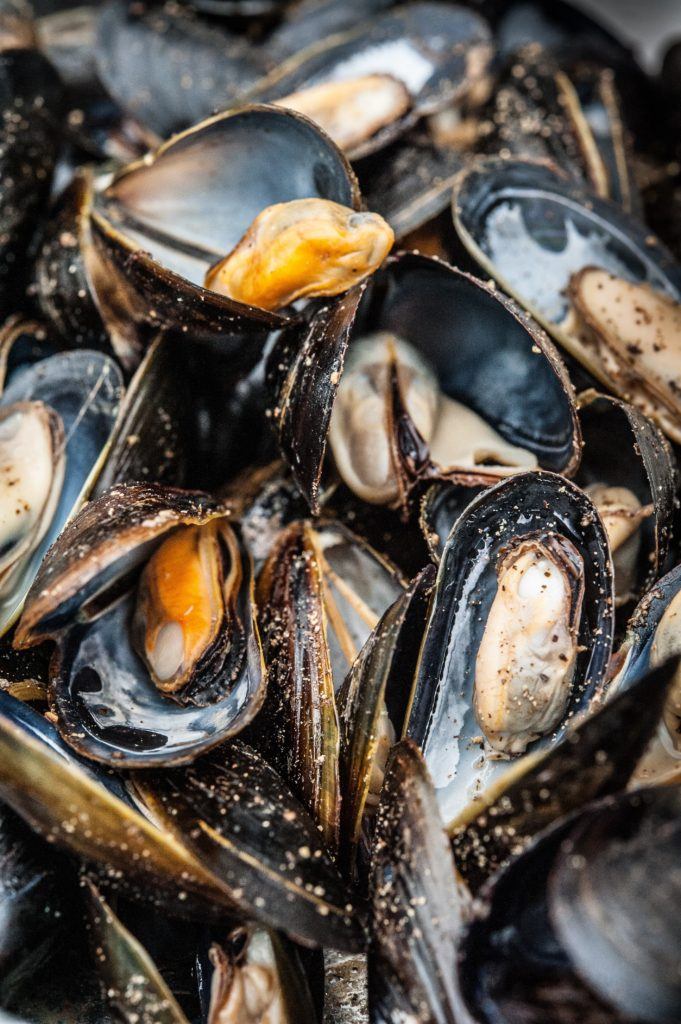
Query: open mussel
581	927
599	282
368	85
519	633
143	245
425	356
153	667
56	420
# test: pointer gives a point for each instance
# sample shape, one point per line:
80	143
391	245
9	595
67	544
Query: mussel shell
151	438
597	758
30	107
442	718
439	509
159	236
437	51
277	869
623	448
410	181
535	114
530	229
85	389
109	539
485	352
129	977
633	660
110	710
380	679
138	42
512	968
86	811
613	897
418	905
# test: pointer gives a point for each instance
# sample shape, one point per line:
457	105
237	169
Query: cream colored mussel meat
527	656
363	428
354	110
631	333
31	476
622	514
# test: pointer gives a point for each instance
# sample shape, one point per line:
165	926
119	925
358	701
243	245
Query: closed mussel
599	282
519	634
428	373
149	594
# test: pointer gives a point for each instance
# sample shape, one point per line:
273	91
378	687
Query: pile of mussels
340	356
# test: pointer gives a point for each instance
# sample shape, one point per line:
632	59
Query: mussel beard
527	656
622	514
301	249
186	626
391	421
633	334
32	464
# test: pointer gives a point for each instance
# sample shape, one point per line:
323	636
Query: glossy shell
484	352
442	720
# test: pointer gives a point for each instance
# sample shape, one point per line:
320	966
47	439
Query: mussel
599	282
152	670
470	356
57	416
519	633
142	245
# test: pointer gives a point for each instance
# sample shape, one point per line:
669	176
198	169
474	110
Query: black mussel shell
442	719
108	706
598	757
530	229
436	51
87	811
582	926
131	982
418	905
309	21
512	968
378	685
485	352
30	139
85	389
623	448
410	181
535	114
614	895
277	868
169	68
